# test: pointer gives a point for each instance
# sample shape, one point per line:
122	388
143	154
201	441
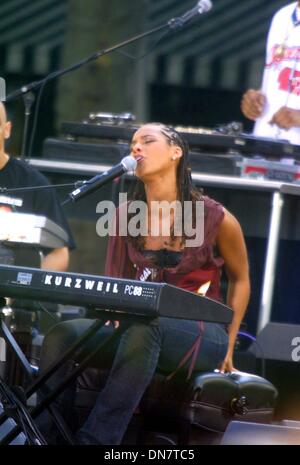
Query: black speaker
243	433
61	149
278	341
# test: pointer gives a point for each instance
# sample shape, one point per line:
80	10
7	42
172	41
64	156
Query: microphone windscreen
205	6
129	163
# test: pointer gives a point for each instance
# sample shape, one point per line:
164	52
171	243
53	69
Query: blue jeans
143	349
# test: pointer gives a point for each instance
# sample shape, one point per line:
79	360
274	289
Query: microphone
203	6
126	164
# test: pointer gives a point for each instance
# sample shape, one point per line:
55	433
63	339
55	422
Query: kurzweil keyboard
110	294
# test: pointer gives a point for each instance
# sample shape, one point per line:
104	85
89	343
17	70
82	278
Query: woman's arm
232	248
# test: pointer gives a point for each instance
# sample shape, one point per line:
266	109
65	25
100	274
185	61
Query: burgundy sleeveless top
197	268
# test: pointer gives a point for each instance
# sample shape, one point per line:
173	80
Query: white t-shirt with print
281	80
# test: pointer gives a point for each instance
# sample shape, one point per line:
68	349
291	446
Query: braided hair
186	191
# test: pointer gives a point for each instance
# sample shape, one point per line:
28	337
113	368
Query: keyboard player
14	174
165	344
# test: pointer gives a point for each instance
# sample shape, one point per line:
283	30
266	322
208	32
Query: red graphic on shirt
289	81
280	53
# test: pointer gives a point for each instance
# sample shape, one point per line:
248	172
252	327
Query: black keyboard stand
12	398
14	411
11	341
47	395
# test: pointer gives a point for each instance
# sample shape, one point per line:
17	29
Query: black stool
200	410
184	412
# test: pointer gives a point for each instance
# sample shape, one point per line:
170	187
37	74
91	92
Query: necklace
280	50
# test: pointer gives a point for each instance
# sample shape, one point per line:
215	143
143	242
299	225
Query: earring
174	158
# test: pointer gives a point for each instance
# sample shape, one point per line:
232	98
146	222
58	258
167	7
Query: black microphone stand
172	24
28	99
75	185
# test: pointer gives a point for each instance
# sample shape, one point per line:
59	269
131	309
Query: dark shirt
42	202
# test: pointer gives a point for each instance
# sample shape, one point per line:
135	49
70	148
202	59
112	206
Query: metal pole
270	263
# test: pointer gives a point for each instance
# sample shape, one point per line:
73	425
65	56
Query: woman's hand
227	365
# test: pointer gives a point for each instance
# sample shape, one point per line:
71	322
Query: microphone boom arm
172	25
36	84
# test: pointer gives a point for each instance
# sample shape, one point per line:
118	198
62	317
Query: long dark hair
186	191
